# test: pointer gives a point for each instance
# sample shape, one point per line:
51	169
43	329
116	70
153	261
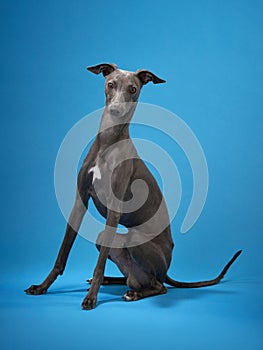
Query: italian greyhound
124	192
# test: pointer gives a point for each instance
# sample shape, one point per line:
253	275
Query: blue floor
227	316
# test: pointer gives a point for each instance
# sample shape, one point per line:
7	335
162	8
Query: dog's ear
145	76
104	68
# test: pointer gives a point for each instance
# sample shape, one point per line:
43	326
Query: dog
124	192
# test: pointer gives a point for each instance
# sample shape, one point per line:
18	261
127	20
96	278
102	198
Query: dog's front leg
111	225
73	225
120	181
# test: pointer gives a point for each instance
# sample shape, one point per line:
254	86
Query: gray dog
123	191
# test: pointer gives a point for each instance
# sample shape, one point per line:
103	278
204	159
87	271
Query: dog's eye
110	85
133	89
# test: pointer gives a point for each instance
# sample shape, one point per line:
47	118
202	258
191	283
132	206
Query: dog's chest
101	173
110	161
96	173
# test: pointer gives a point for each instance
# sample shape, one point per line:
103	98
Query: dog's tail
216	280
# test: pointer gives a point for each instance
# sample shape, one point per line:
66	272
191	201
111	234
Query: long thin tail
216	280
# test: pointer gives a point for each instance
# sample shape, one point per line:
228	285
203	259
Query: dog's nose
115	111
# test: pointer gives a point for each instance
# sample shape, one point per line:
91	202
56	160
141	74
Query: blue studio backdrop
210	53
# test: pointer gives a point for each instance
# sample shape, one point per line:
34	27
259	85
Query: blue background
210	53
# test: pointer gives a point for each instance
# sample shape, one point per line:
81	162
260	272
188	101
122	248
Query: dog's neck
113	129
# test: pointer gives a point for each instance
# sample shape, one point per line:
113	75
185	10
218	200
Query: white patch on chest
96	173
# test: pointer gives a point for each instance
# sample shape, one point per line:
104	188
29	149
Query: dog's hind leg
108	280
156	289
150	262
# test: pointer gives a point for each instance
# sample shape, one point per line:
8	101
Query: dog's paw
89	303
132	295
35	290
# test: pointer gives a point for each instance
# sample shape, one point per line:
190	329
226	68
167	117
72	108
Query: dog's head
122	88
